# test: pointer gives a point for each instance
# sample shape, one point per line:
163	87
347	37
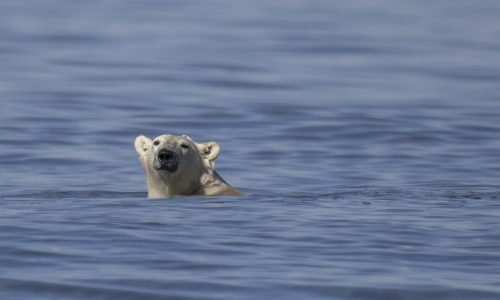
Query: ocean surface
364	134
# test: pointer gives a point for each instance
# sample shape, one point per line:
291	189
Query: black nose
165	155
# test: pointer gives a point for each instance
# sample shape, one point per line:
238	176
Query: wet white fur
195	174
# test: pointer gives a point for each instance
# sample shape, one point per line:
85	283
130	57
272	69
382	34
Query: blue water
365	135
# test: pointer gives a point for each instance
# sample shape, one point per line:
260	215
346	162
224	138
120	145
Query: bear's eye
156	143
184	146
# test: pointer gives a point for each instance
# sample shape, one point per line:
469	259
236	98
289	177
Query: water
365	135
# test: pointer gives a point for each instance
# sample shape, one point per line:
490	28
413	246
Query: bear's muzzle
166	160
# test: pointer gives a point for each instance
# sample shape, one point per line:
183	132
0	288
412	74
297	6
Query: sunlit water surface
365	135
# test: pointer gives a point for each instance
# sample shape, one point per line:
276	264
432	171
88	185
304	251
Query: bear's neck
157	188
164	185
214	185
209	183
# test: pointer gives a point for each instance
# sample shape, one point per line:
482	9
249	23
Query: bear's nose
165	155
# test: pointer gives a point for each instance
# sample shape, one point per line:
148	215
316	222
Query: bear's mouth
166	161
170	167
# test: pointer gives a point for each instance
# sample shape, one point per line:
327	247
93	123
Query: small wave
450	192
18	289
42	195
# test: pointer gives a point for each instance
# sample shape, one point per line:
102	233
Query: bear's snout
166	160
165	155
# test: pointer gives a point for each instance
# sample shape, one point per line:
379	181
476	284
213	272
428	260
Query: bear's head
175	164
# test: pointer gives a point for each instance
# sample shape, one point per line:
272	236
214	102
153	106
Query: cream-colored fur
194	164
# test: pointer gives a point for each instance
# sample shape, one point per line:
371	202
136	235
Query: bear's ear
142	145
210	152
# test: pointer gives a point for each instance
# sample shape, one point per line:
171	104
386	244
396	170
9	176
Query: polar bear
178	166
